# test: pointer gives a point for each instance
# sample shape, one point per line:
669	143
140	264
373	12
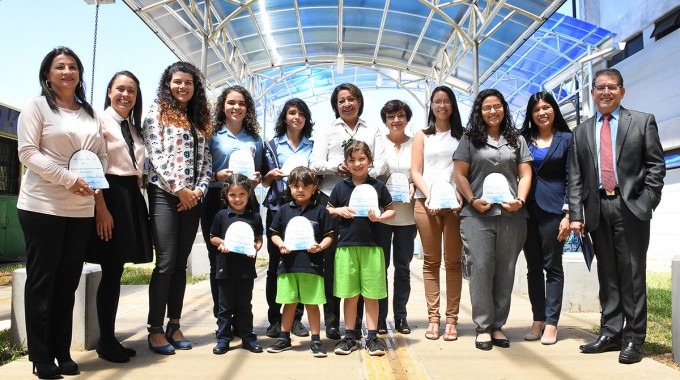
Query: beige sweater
47	139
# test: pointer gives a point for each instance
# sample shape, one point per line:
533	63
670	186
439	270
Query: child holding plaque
359	259
300	272
235	272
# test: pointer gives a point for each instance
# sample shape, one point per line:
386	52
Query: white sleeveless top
438	158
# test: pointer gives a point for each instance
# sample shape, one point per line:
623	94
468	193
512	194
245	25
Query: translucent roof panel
283	48
555	47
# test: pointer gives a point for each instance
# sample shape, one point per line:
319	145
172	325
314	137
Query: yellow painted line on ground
397	362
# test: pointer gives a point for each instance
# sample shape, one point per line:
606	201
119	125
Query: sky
31	28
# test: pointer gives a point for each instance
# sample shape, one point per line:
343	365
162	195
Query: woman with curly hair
236	128
291	139
176	133
492	233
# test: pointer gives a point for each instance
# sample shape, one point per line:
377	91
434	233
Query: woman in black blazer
549	139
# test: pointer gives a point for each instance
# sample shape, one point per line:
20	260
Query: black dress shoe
111	351
252	347
221	348
68	366
128	351
503	342
631	353
484	346
333	333
601	344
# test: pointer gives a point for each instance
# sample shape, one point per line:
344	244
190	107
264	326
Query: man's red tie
606	161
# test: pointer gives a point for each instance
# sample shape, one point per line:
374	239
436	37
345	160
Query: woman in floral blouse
176	133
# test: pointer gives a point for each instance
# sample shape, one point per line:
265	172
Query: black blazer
549	181
640	168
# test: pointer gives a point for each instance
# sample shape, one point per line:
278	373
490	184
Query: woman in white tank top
432	158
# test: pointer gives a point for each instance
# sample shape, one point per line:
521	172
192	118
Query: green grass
659	319
133	274
140	274
659	343
8	352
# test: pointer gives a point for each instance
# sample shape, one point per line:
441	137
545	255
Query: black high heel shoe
178	344
167	349
68	366
46	370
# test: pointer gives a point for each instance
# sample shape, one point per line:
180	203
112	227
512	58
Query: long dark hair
529	128
457	129
136	112
281	127
197	112
46	88
477	126
250	124
354	90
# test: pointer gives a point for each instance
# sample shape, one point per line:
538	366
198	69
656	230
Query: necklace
351	135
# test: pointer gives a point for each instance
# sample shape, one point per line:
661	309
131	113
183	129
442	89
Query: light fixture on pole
341	63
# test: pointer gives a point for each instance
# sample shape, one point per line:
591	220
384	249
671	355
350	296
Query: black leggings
108	295
173	233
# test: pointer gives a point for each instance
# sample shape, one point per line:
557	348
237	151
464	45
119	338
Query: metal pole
204	42
475	68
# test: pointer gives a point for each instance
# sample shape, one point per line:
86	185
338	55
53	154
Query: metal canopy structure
304	48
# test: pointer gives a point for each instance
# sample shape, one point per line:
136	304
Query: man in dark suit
616	175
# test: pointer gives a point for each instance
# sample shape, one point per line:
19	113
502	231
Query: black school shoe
253	347
221	348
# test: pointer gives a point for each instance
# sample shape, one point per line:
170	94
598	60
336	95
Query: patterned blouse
171	155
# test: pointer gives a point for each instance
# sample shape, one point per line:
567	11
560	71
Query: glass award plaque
442	196
87	166
240	238
299	234
241	162
398	186
364	198
292	163
496	189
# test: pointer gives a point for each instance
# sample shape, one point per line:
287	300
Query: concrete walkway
409	356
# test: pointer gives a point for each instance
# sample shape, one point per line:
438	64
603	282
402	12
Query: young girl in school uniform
359	259
235	273
300	273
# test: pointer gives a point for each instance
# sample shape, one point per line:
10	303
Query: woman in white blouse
328	160
176	133
122	233
397	234
55	207
432	159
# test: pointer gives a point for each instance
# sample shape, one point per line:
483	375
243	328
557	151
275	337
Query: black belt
610	194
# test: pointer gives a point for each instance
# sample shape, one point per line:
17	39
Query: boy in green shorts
300	273
359	258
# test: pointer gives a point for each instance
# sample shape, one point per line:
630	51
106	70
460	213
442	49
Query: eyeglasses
610	87
497	107
445	102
